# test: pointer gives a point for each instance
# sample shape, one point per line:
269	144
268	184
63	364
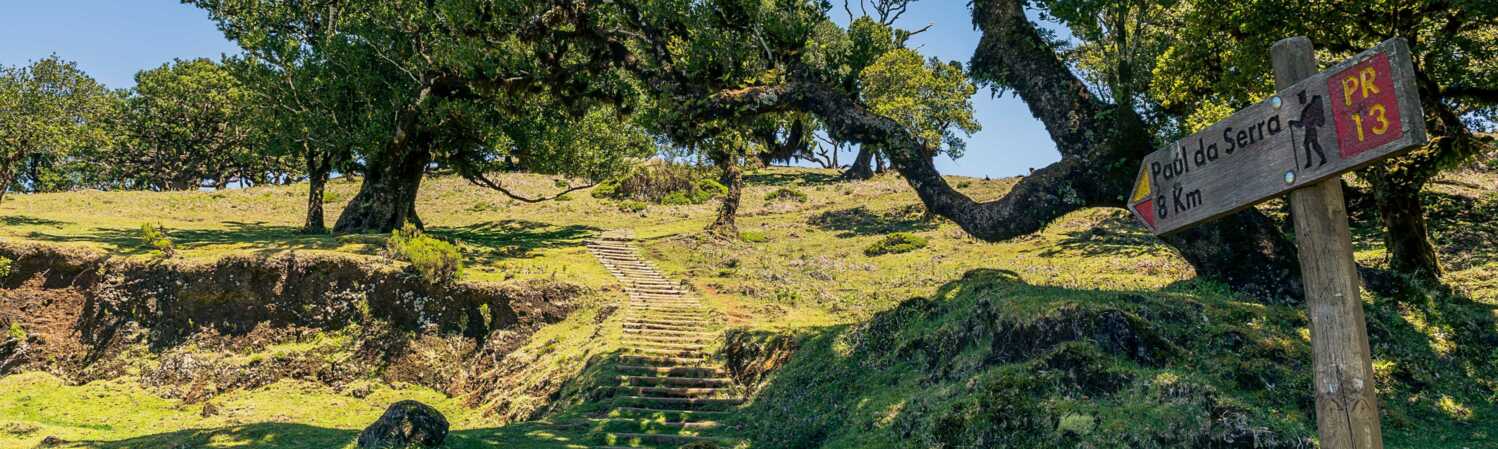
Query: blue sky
113	39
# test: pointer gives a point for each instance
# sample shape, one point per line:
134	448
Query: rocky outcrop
203	319
231	295
404	424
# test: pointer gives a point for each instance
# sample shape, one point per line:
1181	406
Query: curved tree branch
484	181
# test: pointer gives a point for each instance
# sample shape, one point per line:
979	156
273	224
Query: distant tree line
185	125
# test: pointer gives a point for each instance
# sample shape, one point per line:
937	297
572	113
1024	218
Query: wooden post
1346	403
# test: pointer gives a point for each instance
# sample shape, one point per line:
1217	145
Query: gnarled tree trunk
863	164
387	197
1406	236
318	168
733	177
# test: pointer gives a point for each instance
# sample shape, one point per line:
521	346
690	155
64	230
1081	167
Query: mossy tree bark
732	176
1406	235
387	197
318	168
863	164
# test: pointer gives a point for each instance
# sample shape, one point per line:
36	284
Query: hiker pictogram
1312	118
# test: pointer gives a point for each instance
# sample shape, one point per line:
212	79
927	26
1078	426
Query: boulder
404	424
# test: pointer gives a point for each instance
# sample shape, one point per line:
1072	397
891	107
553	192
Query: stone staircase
670	393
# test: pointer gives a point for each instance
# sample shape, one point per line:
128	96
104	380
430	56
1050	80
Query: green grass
287	414
892	346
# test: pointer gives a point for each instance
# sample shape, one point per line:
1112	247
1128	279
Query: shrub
678	199
437	261
632	206
786	193
330	196
899	242
155	237
4	267
662	183
16	332
754	237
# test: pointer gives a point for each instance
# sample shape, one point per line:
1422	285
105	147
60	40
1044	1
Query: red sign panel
1364	106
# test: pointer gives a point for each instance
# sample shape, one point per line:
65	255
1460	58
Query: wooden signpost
1317	126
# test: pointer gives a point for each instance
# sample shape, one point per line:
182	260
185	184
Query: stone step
655	291
676	381
668	339
650	297
690	403
665	361
683	305
672	392
676	371
659	315
648	424
659	330
647	323
678	305
671	332
659	438
666	414
669	352
663	316
644	324
666	345
651	281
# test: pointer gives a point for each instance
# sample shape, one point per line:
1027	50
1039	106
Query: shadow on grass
300	436
21	220
515	238
860	221
1116	235
788	179
506	238
258	235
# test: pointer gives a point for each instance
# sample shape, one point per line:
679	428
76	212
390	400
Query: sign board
1360	111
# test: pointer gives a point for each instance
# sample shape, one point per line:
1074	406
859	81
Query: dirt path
671	393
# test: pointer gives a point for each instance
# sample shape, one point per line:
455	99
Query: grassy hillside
1089	332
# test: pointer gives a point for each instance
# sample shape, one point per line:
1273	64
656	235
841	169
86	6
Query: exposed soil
194	329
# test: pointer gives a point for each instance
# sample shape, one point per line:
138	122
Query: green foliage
437	261
1455	55
932	99
156	238
16	332
754	236
5	264
786	194
632	206
56	123
335	197
189	122
662	183
677	199
899	242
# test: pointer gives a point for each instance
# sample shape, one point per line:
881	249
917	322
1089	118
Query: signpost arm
1346	403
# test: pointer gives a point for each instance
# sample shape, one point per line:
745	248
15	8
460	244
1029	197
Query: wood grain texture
1346	403
1283	143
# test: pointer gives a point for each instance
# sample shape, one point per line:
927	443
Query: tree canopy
53	119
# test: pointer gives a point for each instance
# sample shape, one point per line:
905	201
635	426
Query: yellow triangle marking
1141	186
